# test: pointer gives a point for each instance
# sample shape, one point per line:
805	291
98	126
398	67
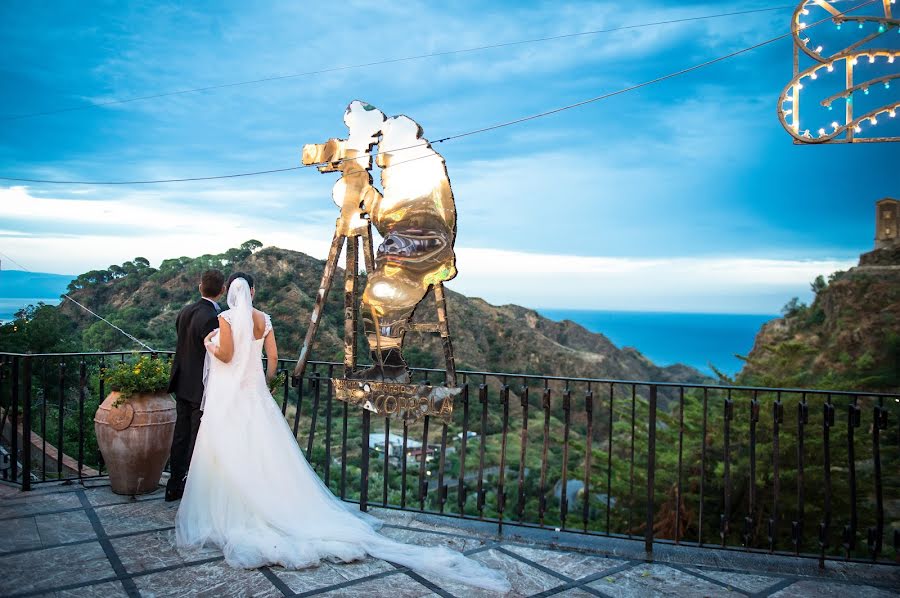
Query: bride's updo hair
237	275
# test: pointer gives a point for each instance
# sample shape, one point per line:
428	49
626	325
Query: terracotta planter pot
135	439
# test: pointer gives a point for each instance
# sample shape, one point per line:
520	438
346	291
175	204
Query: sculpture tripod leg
324	287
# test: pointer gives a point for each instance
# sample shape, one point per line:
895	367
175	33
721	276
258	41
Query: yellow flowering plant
141	375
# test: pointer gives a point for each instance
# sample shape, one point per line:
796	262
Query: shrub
142	375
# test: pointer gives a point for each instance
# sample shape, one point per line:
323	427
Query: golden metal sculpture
416	217
848	128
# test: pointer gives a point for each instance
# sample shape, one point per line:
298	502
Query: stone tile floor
83	540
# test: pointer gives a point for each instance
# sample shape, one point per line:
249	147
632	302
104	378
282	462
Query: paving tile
832	589
137	516
329	574
570	564
425	538
7	490
111	589
524	579
60	528
53	567
209	580
448	528
574	593
155	550
103	495
741	581
19	534
396	586
39	502
657	580
393	516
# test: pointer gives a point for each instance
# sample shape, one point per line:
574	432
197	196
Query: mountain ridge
507	338
848	338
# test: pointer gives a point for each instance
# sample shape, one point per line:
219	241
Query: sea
700	340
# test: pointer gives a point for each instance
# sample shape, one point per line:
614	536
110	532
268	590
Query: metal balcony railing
813	473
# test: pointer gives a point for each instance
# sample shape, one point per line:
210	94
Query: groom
193	323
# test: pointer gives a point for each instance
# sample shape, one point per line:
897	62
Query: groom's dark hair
237	275
211	283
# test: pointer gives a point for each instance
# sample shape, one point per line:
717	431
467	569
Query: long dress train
252	493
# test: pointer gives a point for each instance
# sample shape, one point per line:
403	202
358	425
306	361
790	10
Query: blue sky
683	196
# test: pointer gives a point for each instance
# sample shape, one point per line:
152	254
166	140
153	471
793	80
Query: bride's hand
209	344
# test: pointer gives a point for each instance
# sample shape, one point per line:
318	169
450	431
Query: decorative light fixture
851	79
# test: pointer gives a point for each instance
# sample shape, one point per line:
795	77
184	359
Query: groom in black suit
193	323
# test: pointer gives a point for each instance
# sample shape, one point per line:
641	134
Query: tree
792	307
37	329
252	245
818	285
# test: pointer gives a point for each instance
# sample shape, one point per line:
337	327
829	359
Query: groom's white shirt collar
216	305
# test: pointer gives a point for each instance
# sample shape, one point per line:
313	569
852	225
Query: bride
250	490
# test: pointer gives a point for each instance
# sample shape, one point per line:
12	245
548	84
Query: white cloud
76	235
684	284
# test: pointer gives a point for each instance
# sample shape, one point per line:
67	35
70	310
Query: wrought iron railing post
876	533
749	522
364	469
825	524
588	438
82	396
564	480
651	469
854	417
26	424
14	419
501	478
726	516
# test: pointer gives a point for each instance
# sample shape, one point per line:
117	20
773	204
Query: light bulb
788	112
821	132
838	25
858	129
871	59
892	113
860	24
866	90
801	25
813	76
829	107
887	84
873	121
818	49
855	62
830	68
798	86
891	58
805	11
881	28
834	125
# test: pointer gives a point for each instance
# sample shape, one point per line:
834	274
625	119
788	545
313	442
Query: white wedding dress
251	492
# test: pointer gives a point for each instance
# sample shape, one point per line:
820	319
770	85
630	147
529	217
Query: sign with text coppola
408	401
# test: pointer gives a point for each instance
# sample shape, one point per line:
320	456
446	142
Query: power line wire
96	315
467	133
387	61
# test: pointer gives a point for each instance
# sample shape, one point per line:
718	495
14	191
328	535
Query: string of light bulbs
458	135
